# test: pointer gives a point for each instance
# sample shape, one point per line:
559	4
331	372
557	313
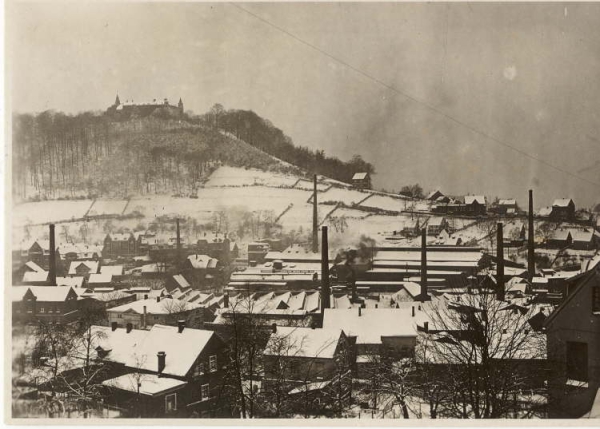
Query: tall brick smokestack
315	234
178	256
325	289
530	245
52	261
499	263
424	296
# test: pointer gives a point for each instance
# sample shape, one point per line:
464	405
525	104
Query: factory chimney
325	289
315	234
423	296
178	256
499	263
530	245
52	260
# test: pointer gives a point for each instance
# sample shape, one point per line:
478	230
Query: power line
414	99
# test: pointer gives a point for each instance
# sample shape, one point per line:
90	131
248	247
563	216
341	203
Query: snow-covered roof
74	282
509	202
360	176
469	199
33	266
100	278
181	348
181	281
119	236
92	265
373	323
303	342
562	202
35	276
436	221
149	384
202	262
164	306
115	270
42	293
545	211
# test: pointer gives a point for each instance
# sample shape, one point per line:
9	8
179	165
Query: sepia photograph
355	213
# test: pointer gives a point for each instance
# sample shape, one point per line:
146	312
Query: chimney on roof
158	299
500	263
144	318
52	261
113	326
129	327
359	311
325	289
274	328
315	234
145	296
530	245
226	300
162	358
423	295
426	327
413	311
180	326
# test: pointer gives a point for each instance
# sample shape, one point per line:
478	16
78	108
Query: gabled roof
303	342
181	348
360	176
119	236
470	199
562	202
509	202
42	293
100	278
582	280
202	262
181	281
33	266
74	282
92	265
435	194
149	384
164	306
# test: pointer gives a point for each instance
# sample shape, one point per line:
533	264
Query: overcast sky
422	90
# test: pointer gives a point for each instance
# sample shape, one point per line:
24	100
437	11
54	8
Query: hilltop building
130	109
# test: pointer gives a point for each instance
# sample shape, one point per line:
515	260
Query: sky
468	98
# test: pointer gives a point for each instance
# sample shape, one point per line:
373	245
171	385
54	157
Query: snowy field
231	176
384	202
107	208
308	185
350	213
49	211
347	196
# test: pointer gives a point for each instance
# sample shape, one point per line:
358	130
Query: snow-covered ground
107	208
49	211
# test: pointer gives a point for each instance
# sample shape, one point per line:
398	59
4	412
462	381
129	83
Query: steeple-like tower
180	105
117	101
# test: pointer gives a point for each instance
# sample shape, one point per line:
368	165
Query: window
199	369
171	403
42	310
577	361
57	309
319	367
596	299
205	392
212	363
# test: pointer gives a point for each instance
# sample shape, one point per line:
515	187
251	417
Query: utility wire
414	99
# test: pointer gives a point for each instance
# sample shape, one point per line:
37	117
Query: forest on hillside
262	134
56	155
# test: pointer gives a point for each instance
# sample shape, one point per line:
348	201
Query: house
145	313
361	180
585	239
216	246
202	270
257	252
573	332
168	371
79	251
32	304
506	207
305	358
122	245
435	195
176	281
563	209
100	281
83	268
475	205
560	239
376	332
514	234
436	225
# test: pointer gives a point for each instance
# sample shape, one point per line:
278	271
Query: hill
90	155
